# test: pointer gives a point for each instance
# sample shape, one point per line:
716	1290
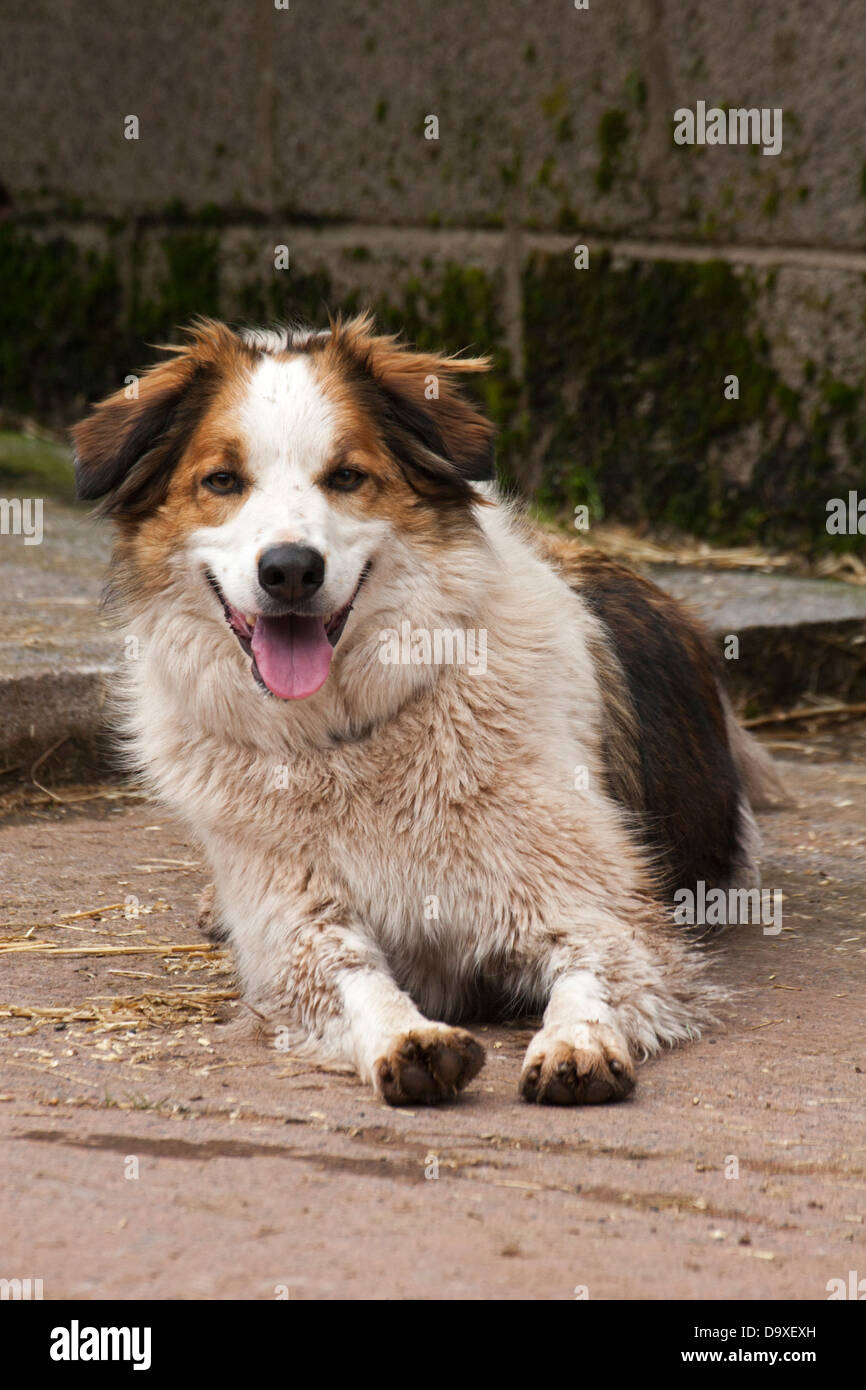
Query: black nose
291	572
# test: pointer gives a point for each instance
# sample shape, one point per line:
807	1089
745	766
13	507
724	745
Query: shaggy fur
410	845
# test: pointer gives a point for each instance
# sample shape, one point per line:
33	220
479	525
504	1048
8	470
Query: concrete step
797	639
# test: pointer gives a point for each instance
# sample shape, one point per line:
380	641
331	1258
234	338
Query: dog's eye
345	479
223	482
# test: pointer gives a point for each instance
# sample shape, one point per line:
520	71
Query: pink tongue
293	655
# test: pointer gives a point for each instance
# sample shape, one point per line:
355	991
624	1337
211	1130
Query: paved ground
256	1172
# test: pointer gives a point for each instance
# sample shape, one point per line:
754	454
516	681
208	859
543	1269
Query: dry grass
623	544
22	945
155	1008
807	712
23	797
182	1003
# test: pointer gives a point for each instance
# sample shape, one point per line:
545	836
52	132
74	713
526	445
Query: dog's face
276	473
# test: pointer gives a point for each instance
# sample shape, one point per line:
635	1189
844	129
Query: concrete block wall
305	126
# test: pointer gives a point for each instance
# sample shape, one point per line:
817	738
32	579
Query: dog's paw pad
428	1065
558	1073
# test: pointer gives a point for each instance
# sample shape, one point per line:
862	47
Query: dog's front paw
591	1068
428	1065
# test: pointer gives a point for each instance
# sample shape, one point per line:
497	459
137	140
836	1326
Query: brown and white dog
400	845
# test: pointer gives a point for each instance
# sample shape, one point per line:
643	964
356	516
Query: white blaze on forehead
287	423
288	431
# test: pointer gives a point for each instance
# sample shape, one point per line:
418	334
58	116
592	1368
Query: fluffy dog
403	836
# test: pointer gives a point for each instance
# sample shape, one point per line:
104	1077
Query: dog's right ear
440	438
126	448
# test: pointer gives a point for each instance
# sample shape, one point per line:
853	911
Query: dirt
150	1152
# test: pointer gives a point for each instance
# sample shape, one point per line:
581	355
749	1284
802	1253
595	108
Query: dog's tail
761	788
762	782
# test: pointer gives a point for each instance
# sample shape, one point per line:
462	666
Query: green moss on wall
457	310
626	369
623	406
75	321
188	284
61	308
70	330
284	297
611	135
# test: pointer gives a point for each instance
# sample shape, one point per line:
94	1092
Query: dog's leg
208	919
580	1056
615	991
333	985
409	1060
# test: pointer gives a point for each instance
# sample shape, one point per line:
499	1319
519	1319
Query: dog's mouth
291	654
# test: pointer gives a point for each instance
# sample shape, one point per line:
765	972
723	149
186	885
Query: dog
400	840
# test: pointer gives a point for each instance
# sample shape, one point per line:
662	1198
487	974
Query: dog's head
274	470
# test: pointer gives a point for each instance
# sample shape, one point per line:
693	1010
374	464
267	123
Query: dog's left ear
127	446
440	438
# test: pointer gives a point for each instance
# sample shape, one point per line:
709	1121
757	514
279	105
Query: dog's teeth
250	619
